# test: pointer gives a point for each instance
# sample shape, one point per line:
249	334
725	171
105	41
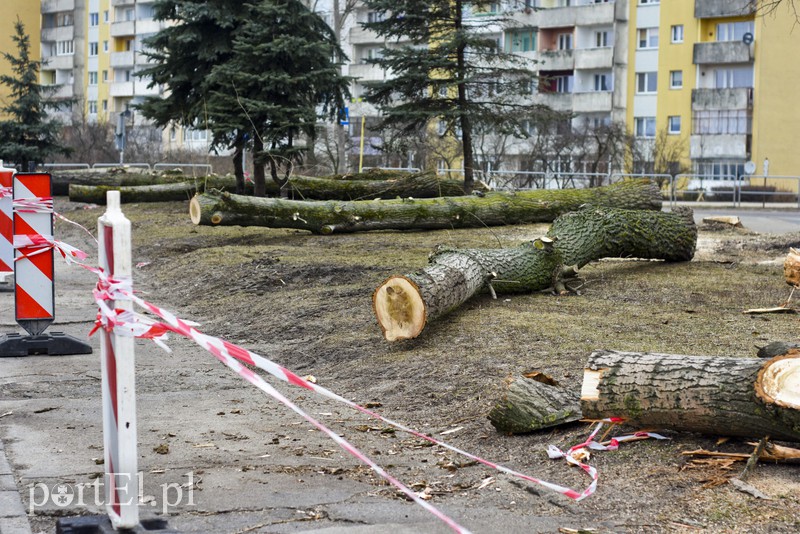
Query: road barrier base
53	344
101	524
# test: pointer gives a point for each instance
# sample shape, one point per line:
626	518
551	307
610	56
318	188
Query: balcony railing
707	9
722	99
722	52
722	146
557	59
594	58
592	102
55	6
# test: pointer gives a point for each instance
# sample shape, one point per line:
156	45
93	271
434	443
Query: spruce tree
451	71
27	135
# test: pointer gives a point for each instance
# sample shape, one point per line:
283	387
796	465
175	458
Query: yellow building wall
104	63
676	57
29	12
776	113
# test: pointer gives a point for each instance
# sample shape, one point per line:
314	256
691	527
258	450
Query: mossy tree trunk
404	304
489	209
748	397
529	405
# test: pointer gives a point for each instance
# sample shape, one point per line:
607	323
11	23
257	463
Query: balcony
60	33
709	9
557	59
723	52
55	6
724	146
586	15
121	59
359	35
556	101
123	29
121	89
116	3
721	99
594	58
365	72
147	26
62	92
59	62
140	88
592	102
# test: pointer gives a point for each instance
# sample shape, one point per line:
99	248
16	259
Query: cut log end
195	212
779	381
399	308
591	383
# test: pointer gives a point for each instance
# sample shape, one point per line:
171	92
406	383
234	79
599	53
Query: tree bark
593	233
423	185
403	305
529	405
747	397
490	209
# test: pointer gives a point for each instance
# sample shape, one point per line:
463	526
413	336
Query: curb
13	519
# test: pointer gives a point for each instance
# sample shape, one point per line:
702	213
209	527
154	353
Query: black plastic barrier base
101	524
53	344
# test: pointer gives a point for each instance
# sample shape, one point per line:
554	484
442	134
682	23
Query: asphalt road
759	220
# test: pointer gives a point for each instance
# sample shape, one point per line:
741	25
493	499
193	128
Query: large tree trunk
530	404
423	185
405	304
747	397
490	209
592	233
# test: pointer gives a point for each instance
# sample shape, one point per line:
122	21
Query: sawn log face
710	395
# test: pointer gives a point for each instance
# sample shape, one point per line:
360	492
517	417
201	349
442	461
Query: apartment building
28	12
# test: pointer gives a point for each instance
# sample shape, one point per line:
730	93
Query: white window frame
673	74
649	2
643	81
564	41
94	19
645	127
92	77
650	38
92	107
602	82
65	48
564	84
602	38
674	124
676	33
93	48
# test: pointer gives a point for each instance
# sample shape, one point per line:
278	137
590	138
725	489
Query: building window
602	82
105	16
602	39
105	46
92	107
522	41
645	126
94	19
65	48
105	75
734	31
565	41
105	106
92	77
563	84
93	48
676	79
733	77
646	82
648	2
676	32
66	19
674	124
648	38
722	122
375	16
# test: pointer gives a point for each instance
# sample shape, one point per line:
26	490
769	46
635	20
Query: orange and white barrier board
6	224
119	384
33	243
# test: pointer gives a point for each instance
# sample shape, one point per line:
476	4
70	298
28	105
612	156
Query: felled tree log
489	209
423	185
592	233
405	304
531	404
747	397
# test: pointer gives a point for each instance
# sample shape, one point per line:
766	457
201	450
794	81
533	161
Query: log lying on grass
489	209
422	185
530	404
747	397
404	304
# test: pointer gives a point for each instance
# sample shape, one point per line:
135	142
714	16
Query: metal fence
206	167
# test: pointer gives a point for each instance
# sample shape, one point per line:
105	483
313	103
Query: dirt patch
305	301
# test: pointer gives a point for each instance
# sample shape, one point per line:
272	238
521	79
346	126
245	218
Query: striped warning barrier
118	376
33	266
6	224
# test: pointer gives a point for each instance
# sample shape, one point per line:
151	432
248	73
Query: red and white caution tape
39	244
33	205
6	191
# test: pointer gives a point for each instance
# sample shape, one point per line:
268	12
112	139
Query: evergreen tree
258	74
182	56
451	71
27	136
283	76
